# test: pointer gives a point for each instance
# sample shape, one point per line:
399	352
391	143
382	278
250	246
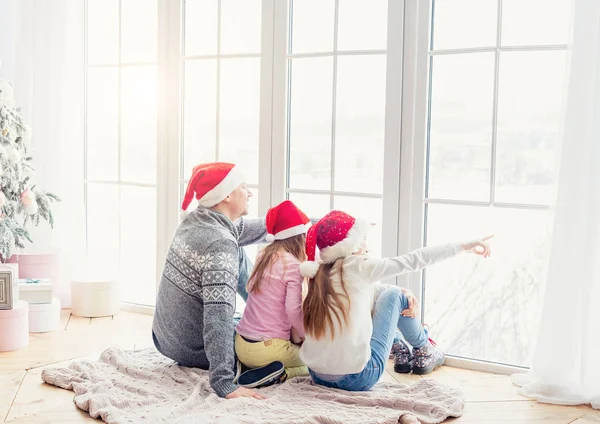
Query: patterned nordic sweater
196	299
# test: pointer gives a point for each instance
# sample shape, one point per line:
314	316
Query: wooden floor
25	399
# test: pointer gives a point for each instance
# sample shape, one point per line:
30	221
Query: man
205	265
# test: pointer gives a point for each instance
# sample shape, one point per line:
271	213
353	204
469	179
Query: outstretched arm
251	231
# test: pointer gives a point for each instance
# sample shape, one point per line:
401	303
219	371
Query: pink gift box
37	266
14	327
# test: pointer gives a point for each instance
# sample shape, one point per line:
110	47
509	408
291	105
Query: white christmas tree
21	202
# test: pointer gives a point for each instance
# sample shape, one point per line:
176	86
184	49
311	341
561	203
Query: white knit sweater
349	350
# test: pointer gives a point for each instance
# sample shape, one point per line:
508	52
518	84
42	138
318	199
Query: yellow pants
259	354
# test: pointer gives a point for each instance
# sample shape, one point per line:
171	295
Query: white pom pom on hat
309	268
184	214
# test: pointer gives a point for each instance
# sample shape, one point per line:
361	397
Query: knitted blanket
144	386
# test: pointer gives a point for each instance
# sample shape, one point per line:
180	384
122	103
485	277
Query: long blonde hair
293	245
323	303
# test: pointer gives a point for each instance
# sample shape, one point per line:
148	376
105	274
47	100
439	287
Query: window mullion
276	184
168	134
413	136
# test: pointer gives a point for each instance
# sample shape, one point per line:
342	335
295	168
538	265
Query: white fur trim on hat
232	180
349	245
293	231
270	238
309	268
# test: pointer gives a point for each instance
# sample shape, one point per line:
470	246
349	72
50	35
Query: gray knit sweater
196	299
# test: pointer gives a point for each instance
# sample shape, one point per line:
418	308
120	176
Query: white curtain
566	364
43	57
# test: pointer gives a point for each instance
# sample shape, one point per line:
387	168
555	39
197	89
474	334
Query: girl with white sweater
349	331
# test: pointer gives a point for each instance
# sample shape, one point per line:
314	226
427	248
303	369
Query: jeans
387	318
244	273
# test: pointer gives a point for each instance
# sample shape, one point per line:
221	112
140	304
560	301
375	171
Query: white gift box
95	298
35	291
44	317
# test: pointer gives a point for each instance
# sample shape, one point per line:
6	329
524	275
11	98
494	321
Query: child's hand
413	304
296	339
478	247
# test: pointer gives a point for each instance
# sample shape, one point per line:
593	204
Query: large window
121	144
496	89
221	61
436	120
336	108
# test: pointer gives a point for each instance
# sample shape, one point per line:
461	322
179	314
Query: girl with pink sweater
272	319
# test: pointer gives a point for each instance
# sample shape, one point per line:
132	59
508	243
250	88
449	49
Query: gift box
35	291
44	317
37	265
14	327
95	298
9	293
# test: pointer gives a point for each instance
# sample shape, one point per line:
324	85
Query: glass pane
315	206
487	309
535	22
138	245
367	209
360	124
102	124
362	24
241	26
102	32
103	230
460	24
530	102
201	27
138	124
239	115
139	30
199	113
461	126
310	123
312	25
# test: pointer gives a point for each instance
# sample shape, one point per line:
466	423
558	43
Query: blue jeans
387	318
244	273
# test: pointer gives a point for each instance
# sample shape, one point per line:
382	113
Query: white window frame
160	183
415	93
405	134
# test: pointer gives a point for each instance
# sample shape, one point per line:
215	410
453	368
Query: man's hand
413	304
243	392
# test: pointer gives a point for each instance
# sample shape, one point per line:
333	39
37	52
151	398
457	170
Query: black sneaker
263	376
239	370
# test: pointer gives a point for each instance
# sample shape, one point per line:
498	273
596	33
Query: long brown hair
266	259
323	303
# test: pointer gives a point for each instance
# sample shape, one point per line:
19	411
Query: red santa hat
211	183
285	220
337	235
